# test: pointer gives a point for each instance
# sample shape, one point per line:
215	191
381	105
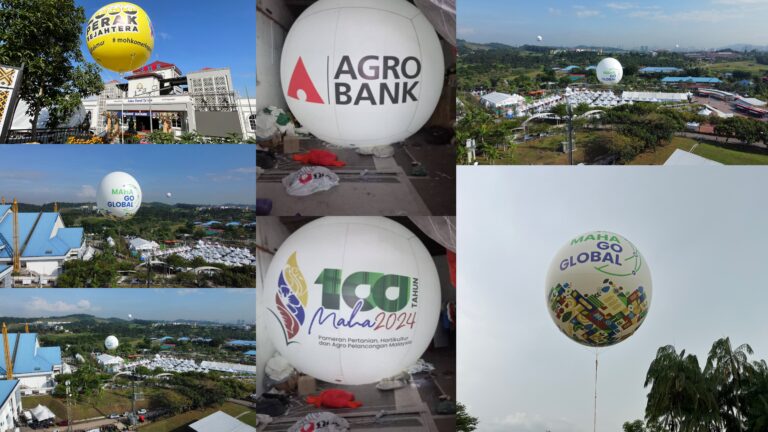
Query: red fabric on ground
319	157
334	398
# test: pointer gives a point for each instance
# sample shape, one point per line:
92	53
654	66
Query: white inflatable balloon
598	289
118	196
168	195
362	73
111	343
609	71
539	38
352	299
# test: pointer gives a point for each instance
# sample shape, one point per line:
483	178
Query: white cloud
524	422
555	11
621	6
583	12
86	192
39	304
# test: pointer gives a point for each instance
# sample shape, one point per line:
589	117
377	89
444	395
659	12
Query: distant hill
745	47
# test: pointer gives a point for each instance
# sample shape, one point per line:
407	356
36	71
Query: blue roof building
44	241
34	366
690	80
10	404
654	70
242	343
5	276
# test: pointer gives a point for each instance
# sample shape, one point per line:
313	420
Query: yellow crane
16	257
8	363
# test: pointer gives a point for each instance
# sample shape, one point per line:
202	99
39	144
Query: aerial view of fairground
127	216
379	355
356	112
111	360
630	328
98	72
636	83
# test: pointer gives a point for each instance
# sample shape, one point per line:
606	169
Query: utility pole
69	406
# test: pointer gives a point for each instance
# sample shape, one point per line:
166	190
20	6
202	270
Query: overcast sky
223	305
627	24
702	232
193	174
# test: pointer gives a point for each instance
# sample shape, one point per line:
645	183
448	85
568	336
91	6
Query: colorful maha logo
291	298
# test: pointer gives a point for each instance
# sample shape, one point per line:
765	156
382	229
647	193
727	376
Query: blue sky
194	174
146	304
193	34
702	233
627	24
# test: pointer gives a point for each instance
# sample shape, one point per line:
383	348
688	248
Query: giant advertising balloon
352	300
111	343
362	73
598	289
118	196
120	37
609	71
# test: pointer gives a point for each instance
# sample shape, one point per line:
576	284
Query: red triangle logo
300	80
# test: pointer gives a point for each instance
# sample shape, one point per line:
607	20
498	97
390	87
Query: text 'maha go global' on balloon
598	289
362	73
352	300
118	196
609	71
120	37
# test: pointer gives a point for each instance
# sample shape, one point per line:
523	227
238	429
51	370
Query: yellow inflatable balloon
120	37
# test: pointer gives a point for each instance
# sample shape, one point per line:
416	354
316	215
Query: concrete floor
411	408
371	186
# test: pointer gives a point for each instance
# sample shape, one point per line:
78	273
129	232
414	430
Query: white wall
45	268
270	36
35	383
8	411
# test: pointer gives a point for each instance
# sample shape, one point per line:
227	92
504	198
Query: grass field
107	403
716	153
746	66
179	422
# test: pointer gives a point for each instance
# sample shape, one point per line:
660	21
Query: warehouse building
44	244
496	100
34	367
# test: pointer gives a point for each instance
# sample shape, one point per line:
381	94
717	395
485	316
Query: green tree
635	426
681	397
464	421
728	367
45	37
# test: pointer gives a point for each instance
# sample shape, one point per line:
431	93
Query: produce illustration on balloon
362	73
353	300
118	196
120	37
598	289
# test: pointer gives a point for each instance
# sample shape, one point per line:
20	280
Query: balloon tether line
594	418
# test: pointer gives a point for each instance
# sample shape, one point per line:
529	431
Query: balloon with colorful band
352	299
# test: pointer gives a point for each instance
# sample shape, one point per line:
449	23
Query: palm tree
727	368
681	397
756	397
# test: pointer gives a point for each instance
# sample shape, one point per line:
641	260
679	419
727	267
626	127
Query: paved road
706	137
75	427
